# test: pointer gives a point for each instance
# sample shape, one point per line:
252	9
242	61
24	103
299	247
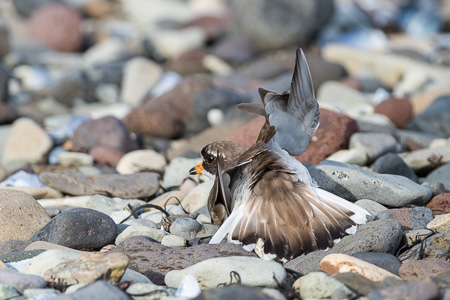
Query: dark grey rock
376	236
12	246
274	25
78	228
98	290
4	38
356	282
410	291
4	79
391	163
20	255
21	281
411	218
374	144
440	176
75	85
185	227
139	185
434	248
383	260
354	183
155	260
435	119
414	140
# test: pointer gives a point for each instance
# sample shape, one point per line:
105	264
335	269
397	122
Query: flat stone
137	290
410	218
27	142
187	228
75	159
382	260
356	282
355	156
19	256
413	291
420	269
339	263
370	206
422	160
87	269
391	163
353	183
318	285
172	240
133	276
36	192
139	185
215	271
20	215
440	223
140	230
98	290
440	204
374	144
141	160
155	260
78	228
434	247
42	245
440	175
47	260
414	140
21	281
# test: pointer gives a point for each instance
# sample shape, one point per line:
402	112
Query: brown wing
286	214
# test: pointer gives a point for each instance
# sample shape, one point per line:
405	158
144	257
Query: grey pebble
21	281
98	290
374	144
186	228
391	163
383	260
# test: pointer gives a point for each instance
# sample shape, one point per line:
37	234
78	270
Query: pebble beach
105	106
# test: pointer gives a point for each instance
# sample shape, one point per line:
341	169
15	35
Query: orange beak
198	169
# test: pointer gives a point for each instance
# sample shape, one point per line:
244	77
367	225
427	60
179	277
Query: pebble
383	260
318	285
140	160
172	240
440	175
178	170
99	229
8	292
139	76
197	197
215	271
75	159
370	206
353	183
187	228
47	260
398	110
434	247
410	218
148	291
413	291
98	290
412	237
374	144
339	263
391	163
440	204
133	276
440	223
106	156
434	119
154	260
140	230
414	140
425	159
43	294
357	283
139	185
416	270
14	206
87	269
355	156
12	246
27	142
21	281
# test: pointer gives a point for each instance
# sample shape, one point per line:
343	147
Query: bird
265	199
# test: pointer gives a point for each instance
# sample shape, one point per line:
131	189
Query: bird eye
210	159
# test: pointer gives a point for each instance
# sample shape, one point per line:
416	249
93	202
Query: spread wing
295	114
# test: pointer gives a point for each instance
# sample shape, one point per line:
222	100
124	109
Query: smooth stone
21	281
410	218
204	219
27	142
172	240
8	292
187	228
214	271
78	228
434	247
41	294
154	260
318	285
148	291
20	256
141	160
239	292
98	290
435	119
425	159
376	236
412	237
197	197
139	185
87	269
133	276
391	163
440	175
383	260
144	222
75	159
106	156
374	144
353	183
440	223
398	110
178	170
12	246
355	156
36	192
47	260
139	76
206	231
420	269
370	206
340	263
22	179
172	43
42	245
440	204
356	282
410	291
414	140
140	230
20	215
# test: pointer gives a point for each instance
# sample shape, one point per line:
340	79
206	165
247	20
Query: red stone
398	110
440	204
247	134
106	156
